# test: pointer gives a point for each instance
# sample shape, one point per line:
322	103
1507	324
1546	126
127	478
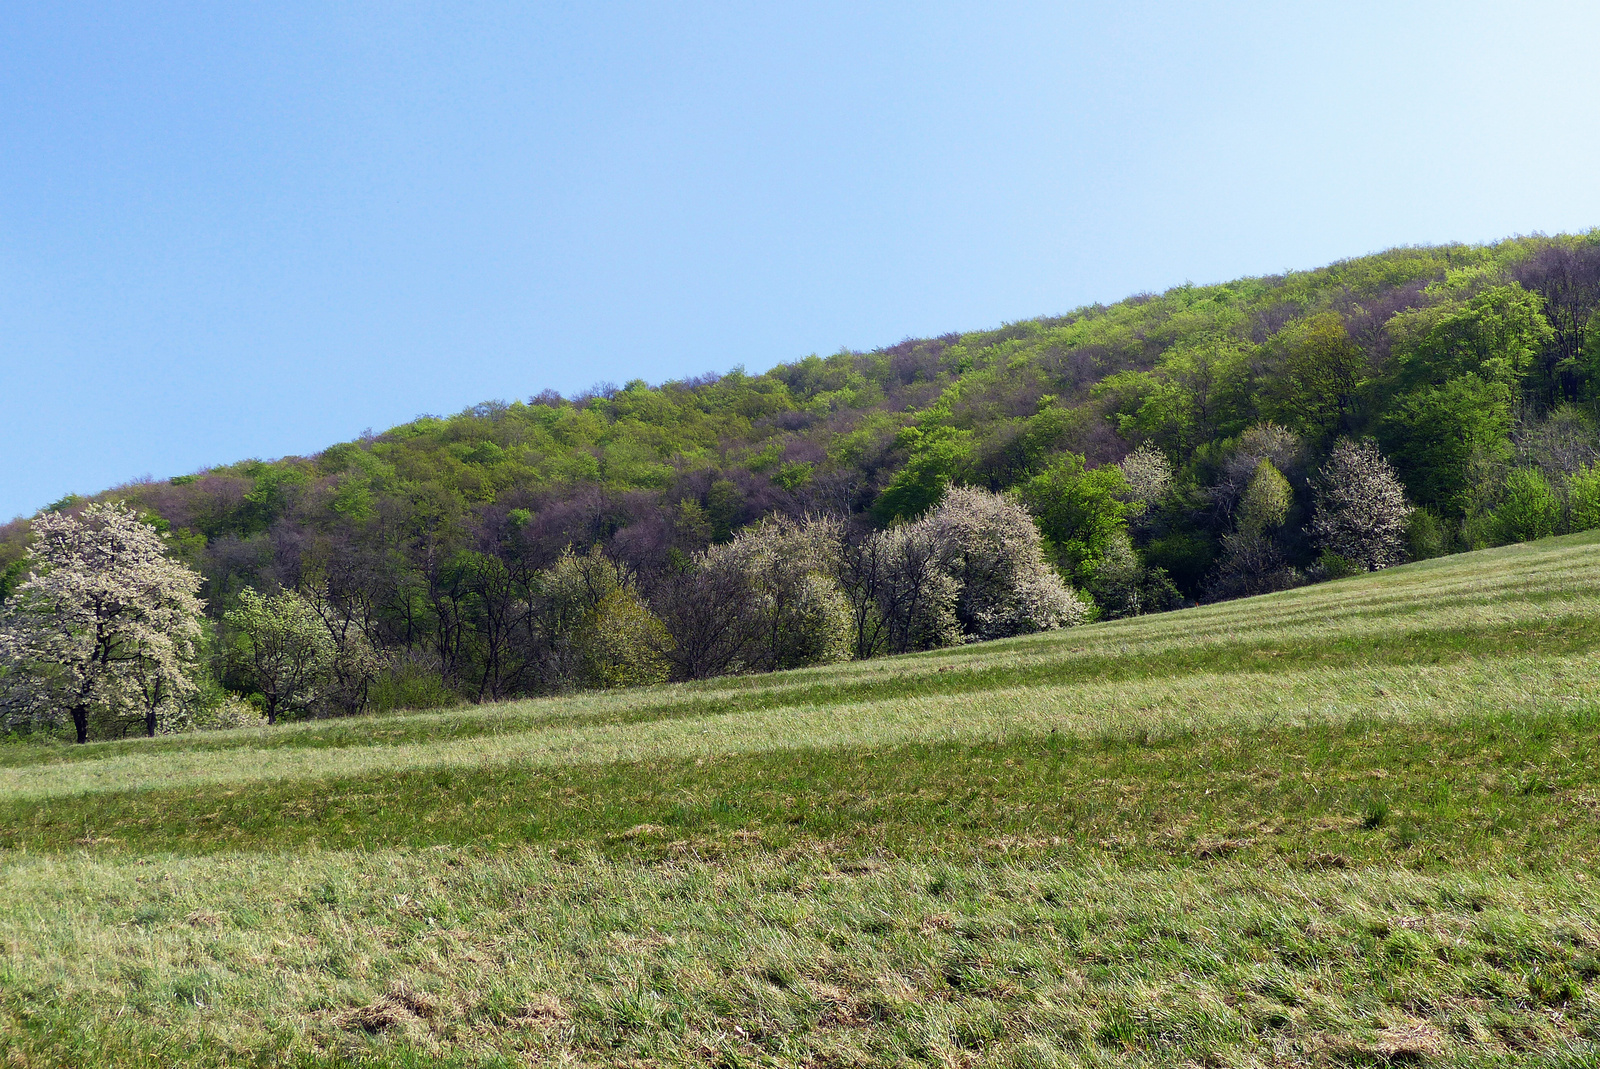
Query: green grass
1356	824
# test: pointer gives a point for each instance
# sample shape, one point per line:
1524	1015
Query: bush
595	630
1426	536
231	711
1250	564
1583	499
1078	510
1529	508
413	682
1124	586
1332	566
795	612
1266	500
766	601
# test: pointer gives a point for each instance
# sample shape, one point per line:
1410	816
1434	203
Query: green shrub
1583	499
410	686
1332	566
1266	500
1529	510
1426	535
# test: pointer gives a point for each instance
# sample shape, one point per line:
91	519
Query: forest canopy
1171	447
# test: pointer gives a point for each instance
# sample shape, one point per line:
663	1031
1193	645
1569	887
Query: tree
1271	442
105	626
488	597
1566	274
917	597
1434	432
1079	511
281	650
796	611
702	606
1321	373
1124	586
341	587
1583	499
1250	564
1147	474
992	549
1266	500
1196	389
1495	335
594	629
1361	508
939	456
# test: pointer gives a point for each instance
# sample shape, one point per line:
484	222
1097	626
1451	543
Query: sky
255	230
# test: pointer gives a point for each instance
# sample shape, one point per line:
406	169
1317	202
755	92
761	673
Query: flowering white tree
1361	507
106	625
991	547
1148	474
796	614
916	597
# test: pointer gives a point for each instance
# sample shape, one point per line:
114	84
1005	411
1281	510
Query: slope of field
1355	824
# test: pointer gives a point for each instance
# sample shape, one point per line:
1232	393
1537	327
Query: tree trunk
80	720
150	723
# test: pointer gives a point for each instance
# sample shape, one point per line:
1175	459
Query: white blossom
991	547
1361	507
104	629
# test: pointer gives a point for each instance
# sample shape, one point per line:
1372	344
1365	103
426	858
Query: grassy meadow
1352	824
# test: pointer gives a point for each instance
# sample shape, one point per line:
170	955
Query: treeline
1171	448
106	633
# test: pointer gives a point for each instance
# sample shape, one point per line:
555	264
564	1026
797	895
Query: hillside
1350	823
1476	370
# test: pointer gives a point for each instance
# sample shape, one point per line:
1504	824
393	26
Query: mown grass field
1355	824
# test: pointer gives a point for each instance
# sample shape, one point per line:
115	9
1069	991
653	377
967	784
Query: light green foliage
1266	500
1198	391
1529	507
1494	335
1320	373
1426	535
937	458
1583	498
597	632
620	642
1427	349
1079	511
281	650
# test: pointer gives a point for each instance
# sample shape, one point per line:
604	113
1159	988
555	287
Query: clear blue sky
234	230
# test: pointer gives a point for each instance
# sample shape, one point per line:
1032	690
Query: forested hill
1470	367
